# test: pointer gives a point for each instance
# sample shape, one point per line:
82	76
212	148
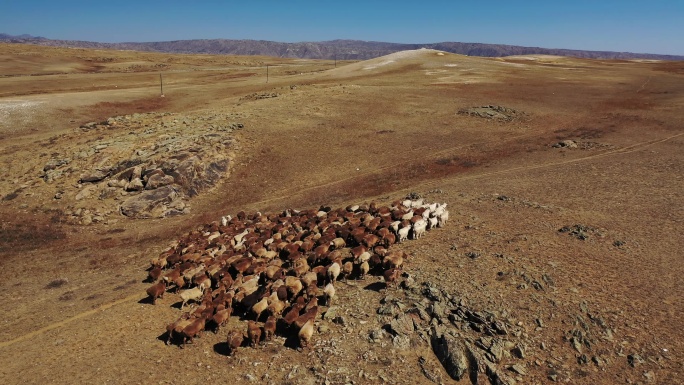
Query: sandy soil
74	298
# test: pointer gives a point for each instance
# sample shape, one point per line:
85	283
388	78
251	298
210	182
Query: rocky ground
140	165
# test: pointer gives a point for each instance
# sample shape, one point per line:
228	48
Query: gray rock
377	334
149	204
134	185
54	163
330	314
402	342
451	352
86	192
402	325
519	369
94	176
158	180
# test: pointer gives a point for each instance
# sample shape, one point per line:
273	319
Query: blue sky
654	26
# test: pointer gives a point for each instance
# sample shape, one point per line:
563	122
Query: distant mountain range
335	49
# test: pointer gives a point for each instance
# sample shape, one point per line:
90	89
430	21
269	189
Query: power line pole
161	85
266	73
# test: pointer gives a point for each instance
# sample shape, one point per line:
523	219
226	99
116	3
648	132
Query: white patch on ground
451	65
376	65
514	64
16	108
16	113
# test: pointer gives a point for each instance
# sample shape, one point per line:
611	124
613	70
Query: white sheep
419	228
403	233
193	294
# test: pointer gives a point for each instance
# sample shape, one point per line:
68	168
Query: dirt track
352	135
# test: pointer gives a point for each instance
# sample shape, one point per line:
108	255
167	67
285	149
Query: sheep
253	333
394	259
234	341
154	274
312	290
191	331
432	222
221	317
329	293
309	315
338	243
191	295
305	333
293	313
294	285
391	276
403	233
364	257
260	307
276	307
309	278
313	302
269	328
156	291
333	271
177	326
347	269
363	269
419	228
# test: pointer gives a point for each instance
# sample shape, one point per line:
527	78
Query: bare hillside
559	260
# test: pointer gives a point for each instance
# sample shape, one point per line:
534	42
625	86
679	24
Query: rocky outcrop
142	165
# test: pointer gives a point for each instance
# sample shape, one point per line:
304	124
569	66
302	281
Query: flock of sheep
278	270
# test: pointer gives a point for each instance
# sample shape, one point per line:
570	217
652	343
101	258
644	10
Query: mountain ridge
340	49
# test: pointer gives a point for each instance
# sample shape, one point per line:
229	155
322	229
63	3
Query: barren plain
564	179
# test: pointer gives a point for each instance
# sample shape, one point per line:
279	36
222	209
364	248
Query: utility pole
161	85
266	73
335	59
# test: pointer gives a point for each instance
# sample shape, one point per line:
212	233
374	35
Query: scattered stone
402	325
330	314
565	144
519	369
94	176
149	204
377	335
634	359
492	112
518	352
451	353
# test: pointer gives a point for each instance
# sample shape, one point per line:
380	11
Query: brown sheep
156	291
221	317
177	326
293	313
309	315
391	276
269	328
154	274
305	333
234	341
191	331
253	333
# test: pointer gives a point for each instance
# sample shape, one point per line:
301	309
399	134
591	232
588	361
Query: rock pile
492	112
144	165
